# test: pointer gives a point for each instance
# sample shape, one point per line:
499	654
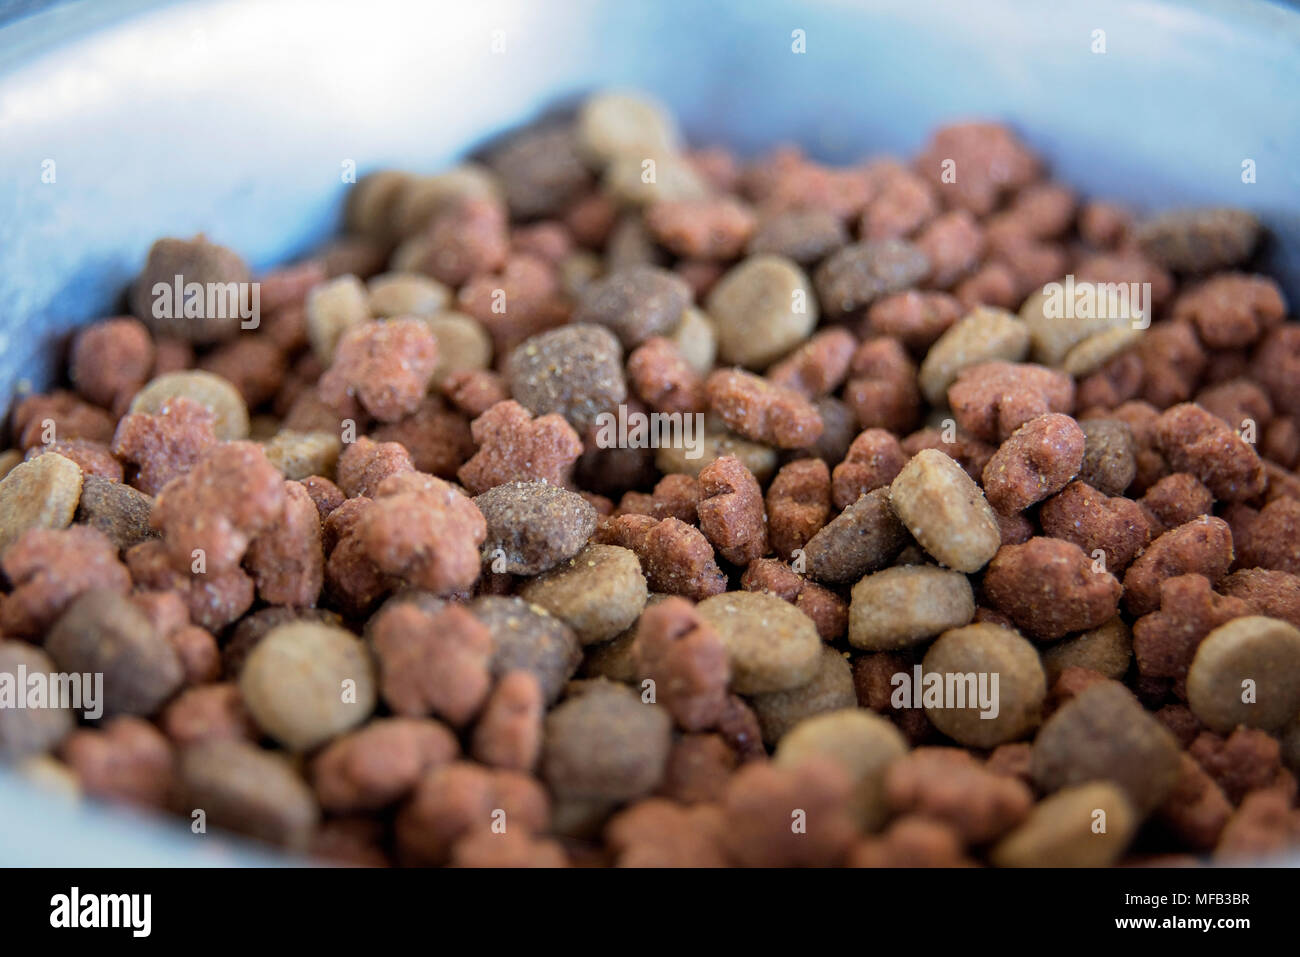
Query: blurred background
237	118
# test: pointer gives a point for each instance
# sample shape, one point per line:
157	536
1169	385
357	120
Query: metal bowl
237	118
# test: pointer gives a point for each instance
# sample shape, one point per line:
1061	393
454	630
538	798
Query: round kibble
463	345
615	124
229	413
1063	830
242	788
576	371
1106	649
29	731
104	632
1247	672
605	744
984	335
195	261
533	526
761	309
636	303
405	294
857	275
332	309
528	638
968	659
300	455
861	742
1105	734
599	592
830	690
1109	455
945	511
900	607
40	493
696	339
307	682
772	645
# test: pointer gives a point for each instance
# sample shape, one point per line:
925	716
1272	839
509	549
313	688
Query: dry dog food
561	516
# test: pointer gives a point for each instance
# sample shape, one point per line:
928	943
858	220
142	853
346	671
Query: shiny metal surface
235	118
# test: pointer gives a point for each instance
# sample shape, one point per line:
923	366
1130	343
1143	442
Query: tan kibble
405	294
903	606
332	309
984	335
1247	672
675	179
830	690
1086	826
614	124
1055	338
761	309
41	493
971	658
1106	649
862	743
696	339
945	511
1105	734
1095	351
598	593
424	196
9	460
463	345
299	455
771	644
229	412
675	459
307	682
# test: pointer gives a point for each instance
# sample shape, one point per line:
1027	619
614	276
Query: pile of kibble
365	583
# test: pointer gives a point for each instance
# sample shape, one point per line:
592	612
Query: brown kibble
798	504
863	538
699	767
1175	500
1202	546
759	803
1105	734
533	526
1195	441
731	511
993	399
432	660
686	660
365	464
874	460
528	638
819	366
828	611
195	261
102	631
509	733
379	764
111	360
1114	526
714	228
244	789
1166	640
1269	592
663	378
599	592
1038	460
1246	760
1106	650
167	444
677	559
831	689
856	275
767	413
206	713
514	447
575	371
29	731
47	569
125	760
1050	588
386	365
605	744
1199	240
948	785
